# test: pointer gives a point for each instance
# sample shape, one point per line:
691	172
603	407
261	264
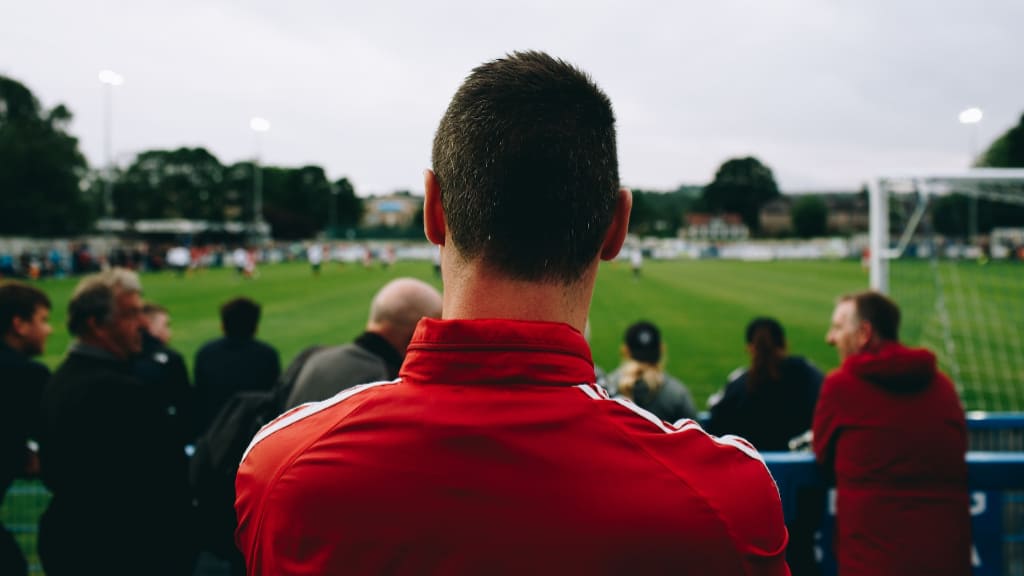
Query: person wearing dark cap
642	377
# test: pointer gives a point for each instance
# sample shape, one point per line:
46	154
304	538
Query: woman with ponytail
772	401
642	377
769	404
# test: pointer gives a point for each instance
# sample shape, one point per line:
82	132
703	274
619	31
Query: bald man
377	353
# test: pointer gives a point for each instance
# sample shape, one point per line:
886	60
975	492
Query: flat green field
701	306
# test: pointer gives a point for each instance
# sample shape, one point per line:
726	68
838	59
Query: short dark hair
152	309
879	310
19	300
526	162
240	316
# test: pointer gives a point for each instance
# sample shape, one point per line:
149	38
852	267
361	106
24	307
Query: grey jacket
671	402
331	370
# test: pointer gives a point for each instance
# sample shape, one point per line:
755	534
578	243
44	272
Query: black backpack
215	463
219	452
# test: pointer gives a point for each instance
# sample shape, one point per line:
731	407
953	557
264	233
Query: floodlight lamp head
971	116
259	124
111	78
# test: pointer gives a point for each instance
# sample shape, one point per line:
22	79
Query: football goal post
949	248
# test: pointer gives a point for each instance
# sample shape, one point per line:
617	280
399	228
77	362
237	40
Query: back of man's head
399	306
526	162
878	310
239	317
19	300
95	298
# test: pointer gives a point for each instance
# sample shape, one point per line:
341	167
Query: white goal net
949	248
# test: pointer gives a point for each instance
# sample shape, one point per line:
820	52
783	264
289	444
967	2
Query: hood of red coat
894	367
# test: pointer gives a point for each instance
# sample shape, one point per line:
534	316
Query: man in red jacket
892	429
494	452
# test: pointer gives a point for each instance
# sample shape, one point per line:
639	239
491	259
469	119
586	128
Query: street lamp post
109	79
258	126
333	213
971	117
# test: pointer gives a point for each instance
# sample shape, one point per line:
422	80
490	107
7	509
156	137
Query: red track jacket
494	453
892	428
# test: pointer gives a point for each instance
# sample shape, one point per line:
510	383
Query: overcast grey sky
826	92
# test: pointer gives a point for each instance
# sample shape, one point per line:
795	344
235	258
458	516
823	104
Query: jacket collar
497	352
380	347
893	366
83	349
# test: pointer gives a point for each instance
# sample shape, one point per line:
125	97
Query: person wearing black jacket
108	453
163	368
24	327
236	362
773	401
770	404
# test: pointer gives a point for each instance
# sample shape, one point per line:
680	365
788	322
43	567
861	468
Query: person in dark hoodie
891	428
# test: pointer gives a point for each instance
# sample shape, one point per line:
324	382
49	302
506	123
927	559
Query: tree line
47	187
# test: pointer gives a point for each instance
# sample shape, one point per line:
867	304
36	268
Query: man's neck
13	342
474	292
101	344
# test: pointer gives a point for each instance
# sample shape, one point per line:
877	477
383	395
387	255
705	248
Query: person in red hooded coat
891	428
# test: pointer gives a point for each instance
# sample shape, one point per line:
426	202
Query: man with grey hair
377	353
108	452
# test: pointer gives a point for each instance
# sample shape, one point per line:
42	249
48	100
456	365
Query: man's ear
434	224
616	234
18	325
93	325
866	334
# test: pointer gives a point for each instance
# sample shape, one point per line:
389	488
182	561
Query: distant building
847	213
776	217
703	226
392	211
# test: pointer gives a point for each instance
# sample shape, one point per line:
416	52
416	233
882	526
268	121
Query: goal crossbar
1001	184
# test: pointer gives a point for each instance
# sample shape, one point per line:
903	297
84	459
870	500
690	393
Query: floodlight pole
109	79
258	126
971	117
333	213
